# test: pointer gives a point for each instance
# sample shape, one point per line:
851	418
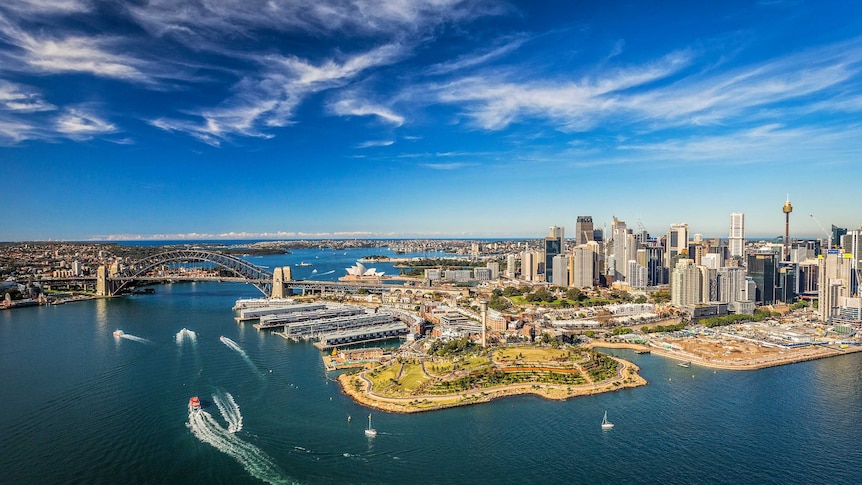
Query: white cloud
270	98
472	60
574	105
196	19
354	106
375	143
79	124
662	94
447	166
23	8
16	97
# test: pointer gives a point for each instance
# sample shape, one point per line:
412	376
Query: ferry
118	333
194	404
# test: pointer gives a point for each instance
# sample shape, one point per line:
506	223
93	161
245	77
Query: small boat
370	432
118	333
194	404
642	351
605	423
304	264
684	364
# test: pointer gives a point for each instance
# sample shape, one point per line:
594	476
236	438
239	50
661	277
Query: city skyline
381	119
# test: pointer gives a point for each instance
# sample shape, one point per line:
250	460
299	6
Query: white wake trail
234	346
186	334
229	410
252	458
135	339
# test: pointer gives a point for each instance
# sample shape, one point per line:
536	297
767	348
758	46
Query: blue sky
446	118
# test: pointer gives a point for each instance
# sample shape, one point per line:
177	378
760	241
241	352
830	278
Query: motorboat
194	404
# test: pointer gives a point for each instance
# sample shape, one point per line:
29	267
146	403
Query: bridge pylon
102	288
279	276
277	283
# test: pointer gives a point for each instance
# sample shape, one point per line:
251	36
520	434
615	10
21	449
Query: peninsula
458	374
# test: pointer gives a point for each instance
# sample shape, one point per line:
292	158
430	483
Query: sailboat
371	432
605	423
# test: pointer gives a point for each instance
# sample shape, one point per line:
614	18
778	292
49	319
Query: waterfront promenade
752	361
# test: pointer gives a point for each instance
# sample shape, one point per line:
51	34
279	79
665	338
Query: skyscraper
584	229
617	263
763	269
737	234
553	247
677	243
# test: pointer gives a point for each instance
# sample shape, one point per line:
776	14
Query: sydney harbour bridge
170	266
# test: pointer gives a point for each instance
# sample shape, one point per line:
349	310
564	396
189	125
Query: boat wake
186	335
234	346
136	339
252	458
229	410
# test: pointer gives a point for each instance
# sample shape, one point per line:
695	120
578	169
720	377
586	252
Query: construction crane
827	233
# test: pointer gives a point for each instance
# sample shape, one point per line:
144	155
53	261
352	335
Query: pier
361	335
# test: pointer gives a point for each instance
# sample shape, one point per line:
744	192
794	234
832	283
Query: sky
233	119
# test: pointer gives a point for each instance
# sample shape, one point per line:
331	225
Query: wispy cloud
375	143
476	59
19	98
194	20
355	106
667	92
447	166
80	124
574	105
269	99
22	8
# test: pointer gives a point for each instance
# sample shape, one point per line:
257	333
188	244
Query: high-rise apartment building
510	265
584	229
685	283
834	275
584	265
731	284
851	243
736	241
560	270
528	266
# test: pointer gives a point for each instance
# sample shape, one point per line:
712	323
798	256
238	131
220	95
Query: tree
573	294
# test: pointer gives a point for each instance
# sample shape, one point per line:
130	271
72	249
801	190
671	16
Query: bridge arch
259	277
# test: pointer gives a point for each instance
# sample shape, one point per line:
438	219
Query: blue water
80	405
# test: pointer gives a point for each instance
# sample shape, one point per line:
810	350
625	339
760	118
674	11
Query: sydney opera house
359	272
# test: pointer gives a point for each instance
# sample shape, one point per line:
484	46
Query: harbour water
81	405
